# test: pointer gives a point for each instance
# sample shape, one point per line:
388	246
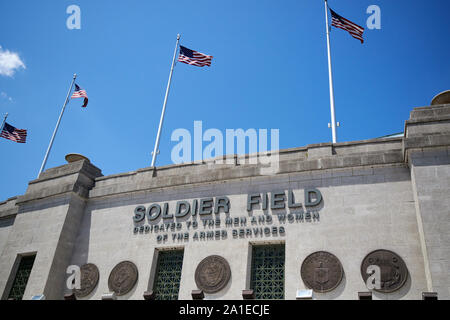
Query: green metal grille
168	275
267	276
21	279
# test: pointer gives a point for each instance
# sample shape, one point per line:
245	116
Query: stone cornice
77	177
324	156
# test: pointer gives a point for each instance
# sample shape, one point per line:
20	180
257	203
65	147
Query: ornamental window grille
21	278
267	271
168	275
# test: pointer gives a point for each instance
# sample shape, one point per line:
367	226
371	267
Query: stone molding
77	177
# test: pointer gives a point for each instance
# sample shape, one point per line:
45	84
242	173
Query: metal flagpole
4	121
330	75
56	128
158	136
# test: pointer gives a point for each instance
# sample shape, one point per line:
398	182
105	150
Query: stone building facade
226	229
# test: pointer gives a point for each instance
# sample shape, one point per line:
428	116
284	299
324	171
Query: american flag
342	23
194	58
80	93
14	134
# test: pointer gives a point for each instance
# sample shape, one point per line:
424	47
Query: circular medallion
123	278
89	280
392	268
212	274
322	271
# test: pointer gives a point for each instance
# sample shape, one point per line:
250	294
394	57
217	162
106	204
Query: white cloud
5	96
9	62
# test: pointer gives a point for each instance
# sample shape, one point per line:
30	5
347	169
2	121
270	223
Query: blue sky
269	72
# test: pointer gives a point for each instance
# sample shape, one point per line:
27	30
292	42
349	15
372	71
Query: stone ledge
77	177
7	200
83	166
208	175
425	143
368	141
320	151
300	152
445	118
59	190
428	128
435	112
9	212
8	208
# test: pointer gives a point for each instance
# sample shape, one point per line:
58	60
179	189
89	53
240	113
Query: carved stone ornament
212	274
123	278
322	271
392	268
89	280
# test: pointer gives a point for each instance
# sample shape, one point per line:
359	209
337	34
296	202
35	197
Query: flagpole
330	76
4	121
158	136
57	126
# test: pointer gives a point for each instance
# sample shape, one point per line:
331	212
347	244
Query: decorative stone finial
73	157
441	98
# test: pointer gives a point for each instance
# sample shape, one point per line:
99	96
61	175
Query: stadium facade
334	219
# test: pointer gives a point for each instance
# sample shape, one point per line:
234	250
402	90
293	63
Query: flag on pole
194	58
80	93
14	134
344	24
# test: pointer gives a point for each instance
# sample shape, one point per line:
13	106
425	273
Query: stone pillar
46	224
427	152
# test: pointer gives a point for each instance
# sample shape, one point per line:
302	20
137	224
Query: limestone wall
376	194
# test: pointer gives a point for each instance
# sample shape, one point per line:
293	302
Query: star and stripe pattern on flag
80	93
194	58
344	24
14	134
